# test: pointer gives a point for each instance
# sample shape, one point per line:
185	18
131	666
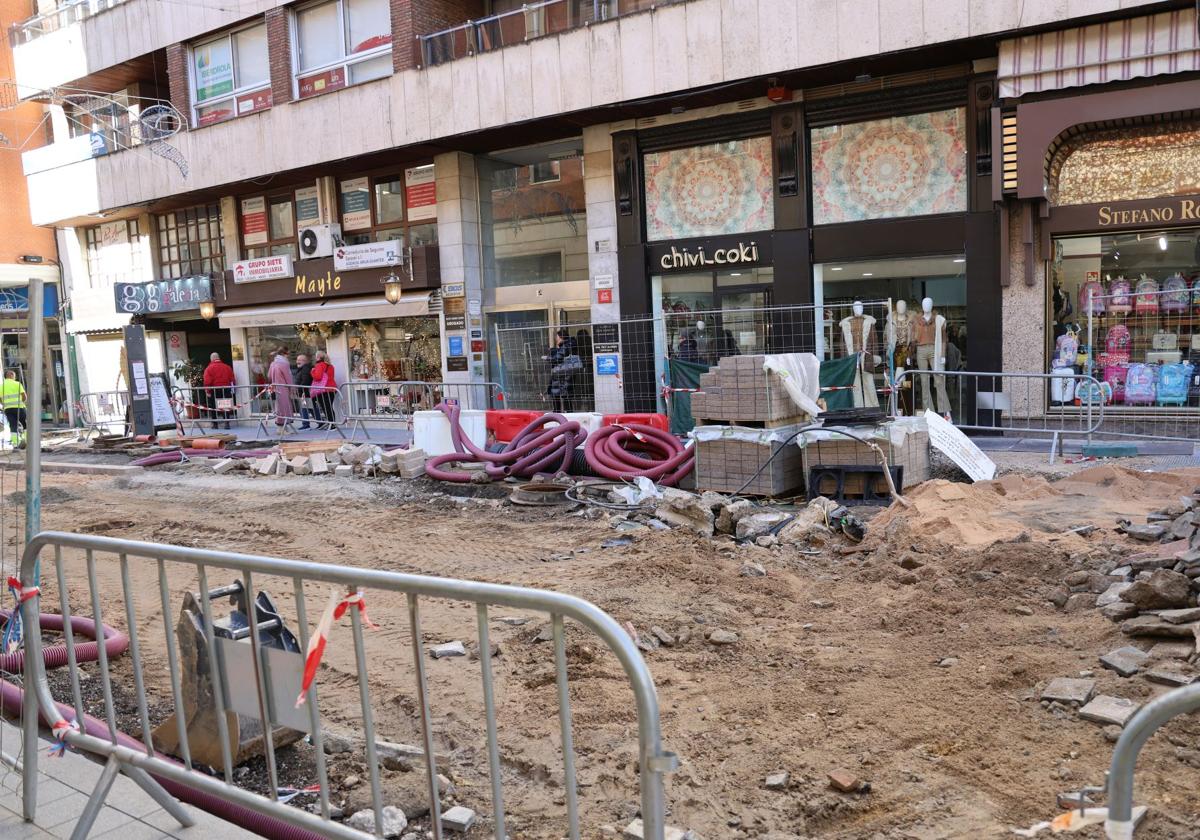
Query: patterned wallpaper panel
1127	164
900	166
709	190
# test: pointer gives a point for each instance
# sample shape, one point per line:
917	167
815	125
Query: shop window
115	254
709	190
231	75
340	43
899	166
401	206
1141	338
529	269
1126	164
189	241
396	350
268	226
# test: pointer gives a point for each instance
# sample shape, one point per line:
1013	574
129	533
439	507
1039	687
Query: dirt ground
922	679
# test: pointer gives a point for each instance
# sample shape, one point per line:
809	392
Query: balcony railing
534	20
61	17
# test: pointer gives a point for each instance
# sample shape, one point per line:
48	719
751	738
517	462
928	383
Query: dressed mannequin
702	343
901	350
858	336
930	338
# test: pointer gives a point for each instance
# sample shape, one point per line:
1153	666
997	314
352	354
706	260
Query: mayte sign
163	295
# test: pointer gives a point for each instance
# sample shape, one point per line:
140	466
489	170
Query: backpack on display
1173	383
1121	296
1066	347
1146	298
1091	392
1062	387
1141	383
1193	359
1116	344
1115	376
1091	289
1175	296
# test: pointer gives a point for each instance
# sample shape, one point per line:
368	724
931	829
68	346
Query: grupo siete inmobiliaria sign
176	295
263	268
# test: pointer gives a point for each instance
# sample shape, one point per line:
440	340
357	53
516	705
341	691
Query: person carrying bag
324	387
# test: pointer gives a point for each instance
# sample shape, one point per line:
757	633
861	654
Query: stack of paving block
408	463
824	449
727	457
738	392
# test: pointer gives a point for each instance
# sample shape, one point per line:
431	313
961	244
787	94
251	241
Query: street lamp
392	290
207	310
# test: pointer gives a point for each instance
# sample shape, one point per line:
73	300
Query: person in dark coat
564	364
304	380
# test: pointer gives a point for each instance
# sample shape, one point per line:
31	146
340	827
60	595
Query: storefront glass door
516	341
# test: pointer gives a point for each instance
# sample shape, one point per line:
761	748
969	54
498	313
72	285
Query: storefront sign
606	364
604	296
603	281
260	100
604	338
456	363
319	83
315	279
1183	210
476	346
163	295
744	253
15	301
317	285
214	70
474	307
368	255
356	204
476	333
420	193
454	290
308	207
453	306
254	221
454	345
456	322
264	268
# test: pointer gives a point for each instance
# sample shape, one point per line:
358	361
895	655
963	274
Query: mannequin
900	348
858	336
702	343
930	338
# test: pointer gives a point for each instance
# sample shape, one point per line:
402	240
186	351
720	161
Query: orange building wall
17	233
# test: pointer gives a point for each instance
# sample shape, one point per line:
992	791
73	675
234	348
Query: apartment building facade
576	163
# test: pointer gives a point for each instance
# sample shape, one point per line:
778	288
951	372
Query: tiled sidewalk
64	785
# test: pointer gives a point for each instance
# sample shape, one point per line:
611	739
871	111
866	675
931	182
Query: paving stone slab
1126	661
1067	690
1109	710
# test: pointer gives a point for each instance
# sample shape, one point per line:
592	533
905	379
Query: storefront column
600	197
230	237
1023	314
338	349
459	248
241	367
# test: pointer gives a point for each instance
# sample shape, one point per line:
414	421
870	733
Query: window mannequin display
858	337
900	348
930	338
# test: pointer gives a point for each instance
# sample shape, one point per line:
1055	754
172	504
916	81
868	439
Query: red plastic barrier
655	421
506	423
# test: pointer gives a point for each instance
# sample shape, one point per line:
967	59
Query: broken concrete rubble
686	510
1150	625
759	524
1164	589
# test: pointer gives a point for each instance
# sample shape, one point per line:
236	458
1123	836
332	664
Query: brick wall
177	79
411	18
279	47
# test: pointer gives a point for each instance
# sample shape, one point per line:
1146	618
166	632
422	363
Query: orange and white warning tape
338	604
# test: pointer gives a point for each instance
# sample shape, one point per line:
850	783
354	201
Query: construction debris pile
343	461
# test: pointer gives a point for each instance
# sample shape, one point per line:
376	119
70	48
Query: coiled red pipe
535	449
622	453
116	643
176	455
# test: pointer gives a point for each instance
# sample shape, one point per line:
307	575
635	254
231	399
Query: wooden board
308	447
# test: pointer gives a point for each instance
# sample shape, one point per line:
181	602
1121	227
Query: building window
914	165
115	254
544	172
709	190
268	226
189	241
401	206
231	75
340	43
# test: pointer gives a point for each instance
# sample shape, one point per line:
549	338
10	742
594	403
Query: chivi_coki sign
741	253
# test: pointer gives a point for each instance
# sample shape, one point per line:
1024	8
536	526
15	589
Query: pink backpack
1146	297
1116	345
1140	385
1115	376
1088	289
1175	296
1121	299
1065	348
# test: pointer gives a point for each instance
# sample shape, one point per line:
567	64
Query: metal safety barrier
325	410
381	401
1016	403
78	563
1147	720
101	412
209	408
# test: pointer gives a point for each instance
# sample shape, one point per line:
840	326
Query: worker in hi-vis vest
12	394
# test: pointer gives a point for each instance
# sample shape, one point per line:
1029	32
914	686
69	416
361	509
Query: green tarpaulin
838	373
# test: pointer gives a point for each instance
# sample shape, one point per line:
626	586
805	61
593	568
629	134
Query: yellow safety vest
12	393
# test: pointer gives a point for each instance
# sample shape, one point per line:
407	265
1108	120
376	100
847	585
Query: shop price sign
163	295
263	268
368	255
254	221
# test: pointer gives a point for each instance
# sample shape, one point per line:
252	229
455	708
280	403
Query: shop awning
355	309
94	325
1151	45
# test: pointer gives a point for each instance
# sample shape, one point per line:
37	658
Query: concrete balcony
662	51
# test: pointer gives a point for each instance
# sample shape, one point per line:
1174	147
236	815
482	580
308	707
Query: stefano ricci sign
696	256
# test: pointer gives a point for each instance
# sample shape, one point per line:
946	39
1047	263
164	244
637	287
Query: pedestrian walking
564	365
324	387
280	376
218	385
304	383
12	395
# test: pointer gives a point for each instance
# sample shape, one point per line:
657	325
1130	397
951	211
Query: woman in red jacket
324	386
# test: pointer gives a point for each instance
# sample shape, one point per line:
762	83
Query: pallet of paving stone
727	457
737	391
